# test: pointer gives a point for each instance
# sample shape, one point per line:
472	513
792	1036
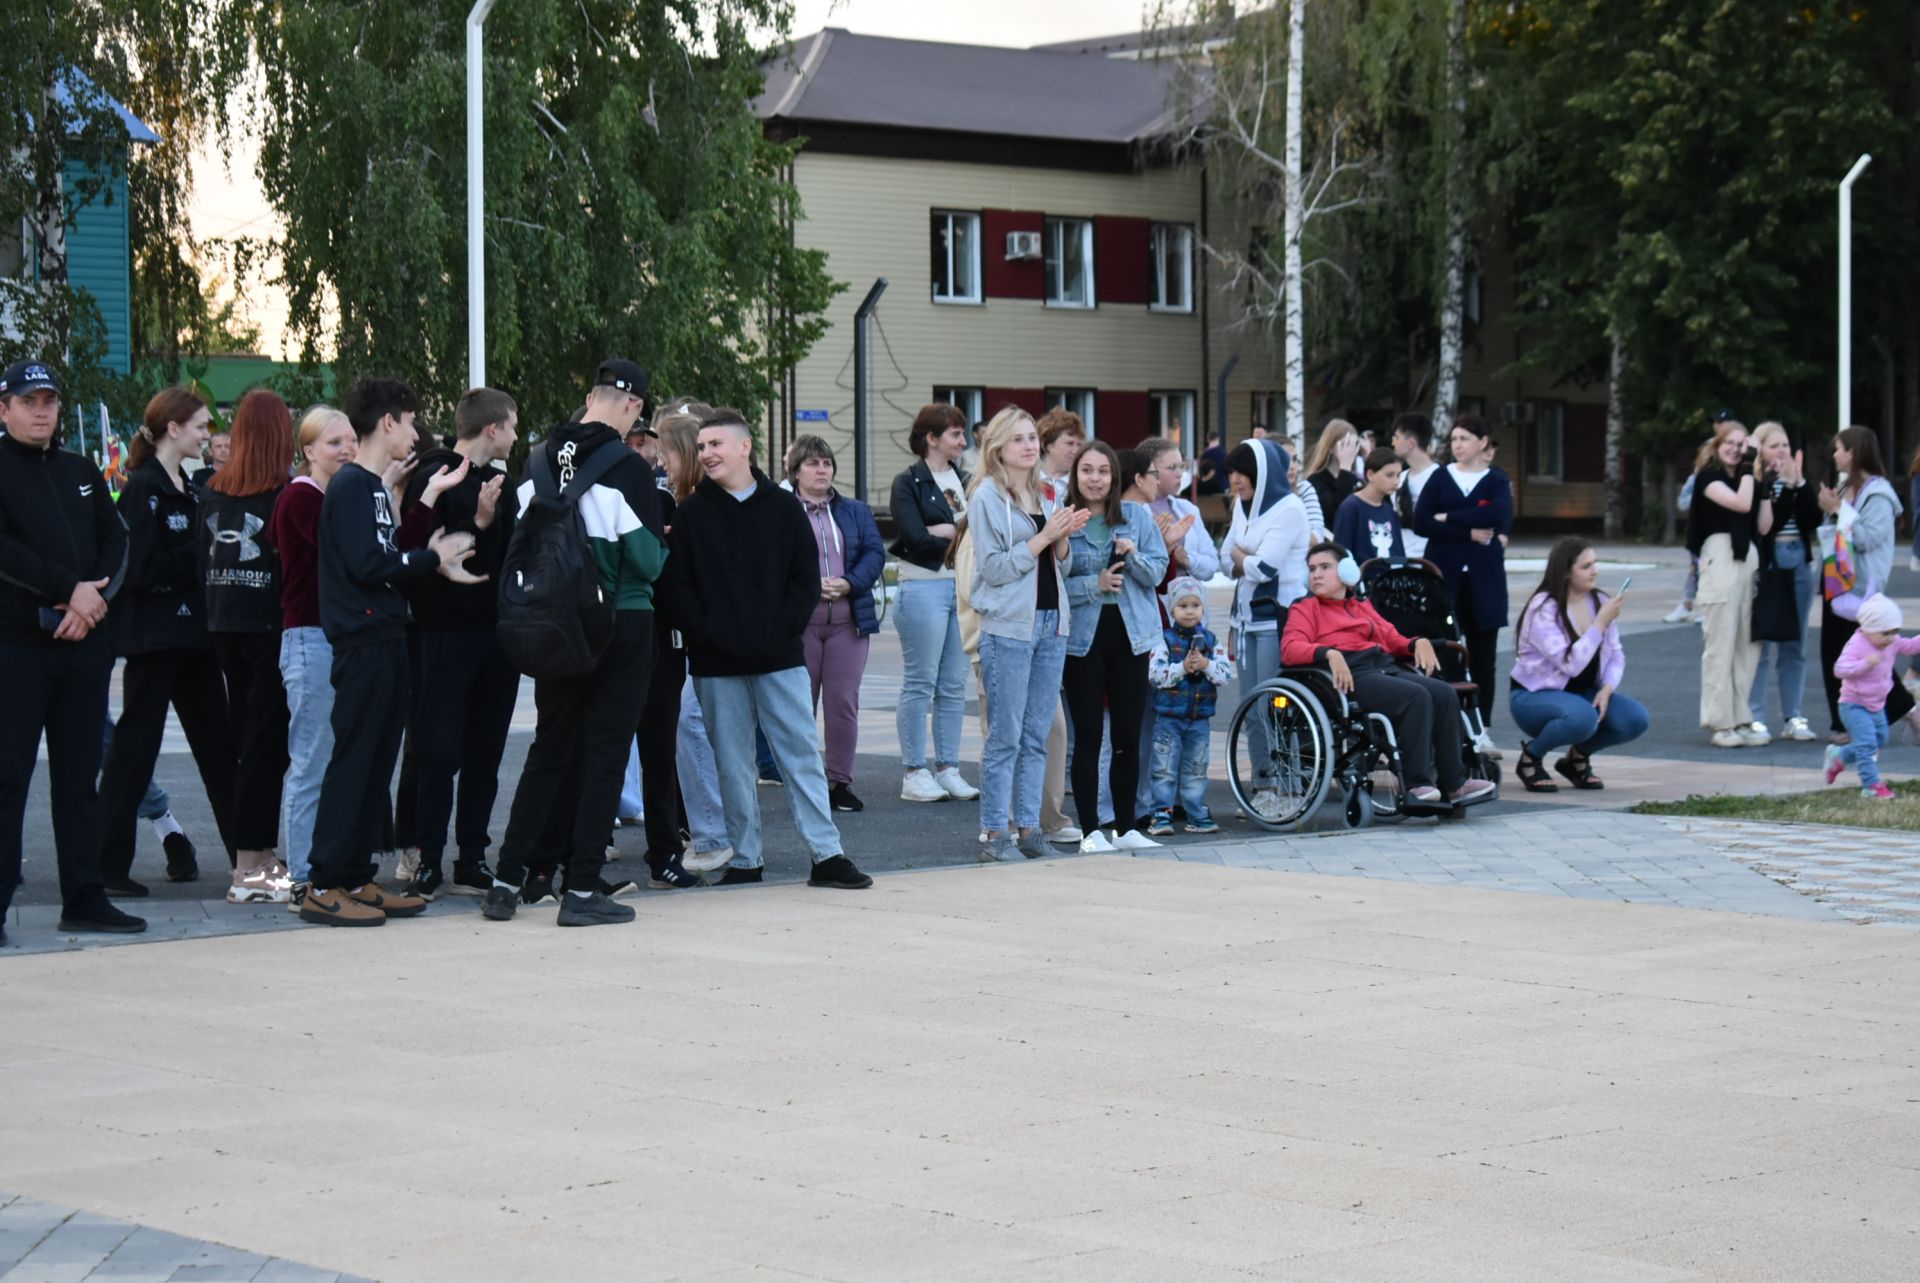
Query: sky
227	199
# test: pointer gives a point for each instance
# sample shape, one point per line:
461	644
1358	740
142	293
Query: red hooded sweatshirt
1315	626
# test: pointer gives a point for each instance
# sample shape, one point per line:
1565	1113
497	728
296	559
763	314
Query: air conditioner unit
1022	246
1516	412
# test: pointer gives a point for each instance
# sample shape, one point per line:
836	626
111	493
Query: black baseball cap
625	375
641	429
27	376
1723	415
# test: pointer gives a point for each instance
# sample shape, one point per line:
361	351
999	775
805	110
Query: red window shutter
1583	443
1122	419
1121	247
1032	400
998	277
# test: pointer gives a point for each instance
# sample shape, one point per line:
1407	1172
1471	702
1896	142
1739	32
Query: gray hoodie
1003	588
1874	515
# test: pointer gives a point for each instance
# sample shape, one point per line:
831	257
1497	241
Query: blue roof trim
75	89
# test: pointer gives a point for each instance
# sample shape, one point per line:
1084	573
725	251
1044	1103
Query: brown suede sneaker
335	908
395	904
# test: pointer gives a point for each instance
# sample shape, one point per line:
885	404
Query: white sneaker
1065	836
1267	803
1797	729
1483	744
1730	738
1096	843
707	861
1755	735
408	866
1135	840
920	786
956	787
1681	614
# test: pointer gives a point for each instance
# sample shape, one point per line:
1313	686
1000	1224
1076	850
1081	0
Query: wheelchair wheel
1482	767
1386	788
1359	808
1280	755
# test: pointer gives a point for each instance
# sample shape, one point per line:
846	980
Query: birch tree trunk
1616	499
50	209
1446	389
1293	357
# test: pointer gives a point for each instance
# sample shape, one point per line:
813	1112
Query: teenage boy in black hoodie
63	551
363	574
464	705
571	780
743	580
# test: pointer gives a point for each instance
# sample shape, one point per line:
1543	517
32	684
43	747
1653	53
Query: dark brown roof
837	76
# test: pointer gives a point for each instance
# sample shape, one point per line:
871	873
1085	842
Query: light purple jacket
1542	659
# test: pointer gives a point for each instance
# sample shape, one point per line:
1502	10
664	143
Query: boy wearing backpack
590	702
464	707
362	577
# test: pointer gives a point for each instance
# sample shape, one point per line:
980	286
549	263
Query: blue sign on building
810	416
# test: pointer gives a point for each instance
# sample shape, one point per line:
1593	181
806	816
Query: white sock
166	826
584	895
505	886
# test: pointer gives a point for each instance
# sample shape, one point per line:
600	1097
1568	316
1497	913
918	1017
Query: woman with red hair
242	572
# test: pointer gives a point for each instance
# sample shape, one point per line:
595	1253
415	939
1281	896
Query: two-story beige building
1041	244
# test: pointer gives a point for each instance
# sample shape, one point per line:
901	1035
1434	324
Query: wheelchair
1296	737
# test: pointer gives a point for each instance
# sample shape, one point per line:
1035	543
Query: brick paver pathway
42	1243
1865	875
1637	859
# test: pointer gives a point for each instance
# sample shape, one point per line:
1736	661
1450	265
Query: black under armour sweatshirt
364	576
742	579
58	526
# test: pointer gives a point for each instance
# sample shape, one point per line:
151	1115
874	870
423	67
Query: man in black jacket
464	706
63	550
364	614
743	577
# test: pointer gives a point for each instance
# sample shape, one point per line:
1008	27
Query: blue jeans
936	671
1259	660
781	704
306	667
1562	718
1791	657
1023	690
1867	728
1180	766
699	776
156	803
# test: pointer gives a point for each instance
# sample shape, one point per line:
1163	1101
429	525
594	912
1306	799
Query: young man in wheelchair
1331	629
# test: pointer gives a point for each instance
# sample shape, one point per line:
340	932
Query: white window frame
951	216
969	399
1058	229
1170	243
1081	401
1179	404
1550	425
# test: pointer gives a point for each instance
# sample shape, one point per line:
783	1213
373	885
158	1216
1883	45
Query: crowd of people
347	594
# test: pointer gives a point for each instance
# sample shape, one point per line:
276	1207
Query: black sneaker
539	887
842	799
734	877
99	914
125	888
771	776
671	875
181	864
617	885
596	910
470	877
837	871
428	882
501	903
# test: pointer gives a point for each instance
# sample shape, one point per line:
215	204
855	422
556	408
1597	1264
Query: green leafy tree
1673	167
633	206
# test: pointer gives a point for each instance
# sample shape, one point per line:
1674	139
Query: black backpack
555	619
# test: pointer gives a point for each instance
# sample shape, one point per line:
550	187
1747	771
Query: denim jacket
1146	566
1002	589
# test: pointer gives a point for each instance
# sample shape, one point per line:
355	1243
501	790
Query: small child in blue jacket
1186	670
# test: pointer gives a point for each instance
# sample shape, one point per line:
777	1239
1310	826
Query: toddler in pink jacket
1865	670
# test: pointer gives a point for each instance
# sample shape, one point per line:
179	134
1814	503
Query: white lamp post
1846	290
476	177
